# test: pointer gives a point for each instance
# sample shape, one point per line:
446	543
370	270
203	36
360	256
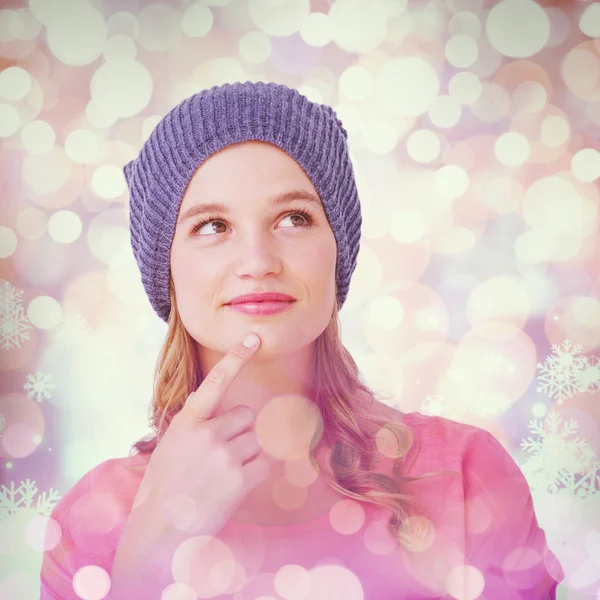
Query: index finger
203	402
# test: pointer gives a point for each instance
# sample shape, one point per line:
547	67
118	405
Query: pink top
485	521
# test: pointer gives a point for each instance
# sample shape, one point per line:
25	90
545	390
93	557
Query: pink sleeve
58	567
91	517
503	538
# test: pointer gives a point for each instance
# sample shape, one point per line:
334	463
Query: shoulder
439	436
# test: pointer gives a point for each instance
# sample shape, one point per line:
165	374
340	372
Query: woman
336	494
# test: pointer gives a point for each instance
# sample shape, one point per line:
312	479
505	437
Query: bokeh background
474	131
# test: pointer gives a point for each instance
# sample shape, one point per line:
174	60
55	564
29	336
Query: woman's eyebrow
286	197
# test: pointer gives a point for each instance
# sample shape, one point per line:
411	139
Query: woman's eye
307	220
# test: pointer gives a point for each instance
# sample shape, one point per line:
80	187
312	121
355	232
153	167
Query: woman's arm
503	538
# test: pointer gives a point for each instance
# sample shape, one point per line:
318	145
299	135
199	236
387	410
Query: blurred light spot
31	222
98	116
122	89
465	87
119	47
42	10
148	126
555	131
347	516
10	120
356	83
42	533
38	137
81	146
292	582
585	164
23	25
207	555
407	85
255	47
19	584
378	539
580	70
160	27
451	181
278	17
334	582
502	193
465	23
517	28
423	145
316	29
8	241
589	23
108	181
288	496
291	442
493	103
461	51
396	8
300	472
15	83
529	97
64	227
76	34
107	236
421	531
197	20
501	298
553	206
407	226
379	134
386	313
179	511
91	583
178	591
44	312
586	312
465	583
560	26
123	22
358	26
512	149
47	173
445	111
539	410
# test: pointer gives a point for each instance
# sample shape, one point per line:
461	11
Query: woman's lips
260	308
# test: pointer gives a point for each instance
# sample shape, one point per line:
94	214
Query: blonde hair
337	389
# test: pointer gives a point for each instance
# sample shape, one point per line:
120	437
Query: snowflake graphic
39	386
590	378
561	463
20	500
70	331
14	324
562	374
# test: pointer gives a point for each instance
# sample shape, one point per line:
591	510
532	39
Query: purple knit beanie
214	118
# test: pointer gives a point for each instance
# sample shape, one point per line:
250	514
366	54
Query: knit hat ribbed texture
212	119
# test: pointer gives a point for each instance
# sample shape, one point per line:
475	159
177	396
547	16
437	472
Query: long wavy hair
351	428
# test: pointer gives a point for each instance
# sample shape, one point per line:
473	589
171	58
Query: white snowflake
70	331
39	386
562	373
590	378
14	324
561	463
14	501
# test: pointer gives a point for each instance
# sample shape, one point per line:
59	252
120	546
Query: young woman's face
255	245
